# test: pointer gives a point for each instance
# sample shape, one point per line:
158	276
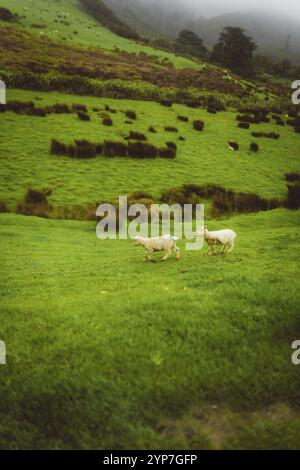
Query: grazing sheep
233	145
226	238
166	243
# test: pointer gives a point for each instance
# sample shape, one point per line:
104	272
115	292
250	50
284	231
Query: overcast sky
216	7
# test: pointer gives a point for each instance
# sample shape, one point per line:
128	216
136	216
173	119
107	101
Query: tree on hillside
234	50
189	43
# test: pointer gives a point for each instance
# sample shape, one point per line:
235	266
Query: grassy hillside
199	359
203	157
67	21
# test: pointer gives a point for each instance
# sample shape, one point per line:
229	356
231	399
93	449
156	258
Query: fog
208	8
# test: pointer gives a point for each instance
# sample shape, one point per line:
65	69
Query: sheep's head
137	241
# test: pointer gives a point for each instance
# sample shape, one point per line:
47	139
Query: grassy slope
202	158
89	32
101	356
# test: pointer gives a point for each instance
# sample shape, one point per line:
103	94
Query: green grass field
201	158
82	30
106	352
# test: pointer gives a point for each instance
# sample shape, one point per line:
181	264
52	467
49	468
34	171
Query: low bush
83	116
198	125
152	130
183	118
171	129
254	147
131	115
168	152
133	135
107	121
243	125
268	135
57	148
166	103
171	145
114	149
292	177
247	118
141	150
85	149
293	198
80	107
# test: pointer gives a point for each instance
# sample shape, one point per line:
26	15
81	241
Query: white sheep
226	238
166	243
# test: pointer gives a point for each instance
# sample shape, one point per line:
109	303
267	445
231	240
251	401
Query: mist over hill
276	33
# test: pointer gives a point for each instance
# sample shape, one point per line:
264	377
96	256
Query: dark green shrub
198	125
79	107
115	149
292	177
167	152
107	121
141	150
183	118
171	145
293	198
57	148
243	125
131	115
83	116
133	135
254	147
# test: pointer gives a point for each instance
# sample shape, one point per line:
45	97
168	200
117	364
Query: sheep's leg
148	254
167	255
177	252
224	247
231	247
213	249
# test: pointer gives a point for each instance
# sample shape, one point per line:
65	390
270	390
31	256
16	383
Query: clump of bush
152	130
183	118
292	177
293	197
243	125
83	116
35	203
79	107
59	108
198	125
167	152
141	150
171	129
133	135
254	147
167	103
268	135
171	145
80	149
131	115
115	149
223	201
107	121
